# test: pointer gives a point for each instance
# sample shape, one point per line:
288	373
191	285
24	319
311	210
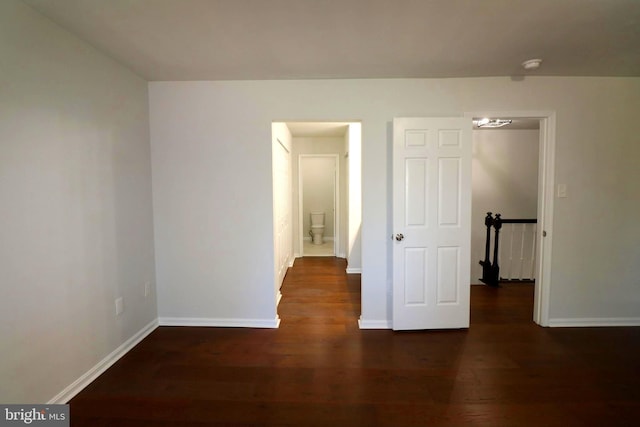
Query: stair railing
491	269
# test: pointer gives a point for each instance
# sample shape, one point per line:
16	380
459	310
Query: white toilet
317	227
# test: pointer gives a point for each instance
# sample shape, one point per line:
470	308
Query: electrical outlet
147	289
119	306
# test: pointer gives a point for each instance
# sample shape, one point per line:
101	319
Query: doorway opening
504	208
316	193
513	176
319	204
432	209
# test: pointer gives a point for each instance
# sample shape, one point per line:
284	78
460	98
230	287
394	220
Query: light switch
562	190
119	306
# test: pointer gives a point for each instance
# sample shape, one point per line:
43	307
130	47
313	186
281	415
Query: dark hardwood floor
319	369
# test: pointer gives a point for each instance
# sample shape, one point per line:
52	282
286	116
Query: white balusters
534	233
517	258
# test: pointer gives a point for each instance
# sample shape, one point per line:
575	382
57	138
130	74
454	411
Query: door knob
399	237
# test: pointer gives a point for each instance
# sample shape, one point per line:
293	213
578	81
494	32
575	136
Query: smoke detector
532	64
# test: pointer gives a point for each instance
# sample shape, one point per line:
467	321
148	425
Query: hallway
318	292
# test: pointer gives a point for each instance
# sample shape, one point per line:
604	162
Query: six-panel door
432	211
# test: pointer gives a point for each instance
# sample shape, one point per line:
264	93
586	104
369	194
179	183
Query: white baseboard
353	270
87	378
278	298
594	322
374	324
220	323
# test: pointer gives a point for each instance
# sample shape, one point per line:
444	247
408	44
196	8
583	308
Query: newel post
495	268
486	264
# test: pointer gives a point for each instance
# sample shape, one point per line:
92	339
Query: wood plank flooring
319	369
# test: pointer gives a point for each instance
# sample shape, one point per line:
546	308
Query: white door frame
546	186
336	200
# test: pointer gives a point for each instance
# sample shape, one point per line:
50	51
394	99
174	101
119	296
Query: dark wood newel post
495	268
486	264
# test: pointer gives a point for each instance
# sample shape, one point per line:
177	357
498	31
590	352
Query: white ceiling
318	129
309	39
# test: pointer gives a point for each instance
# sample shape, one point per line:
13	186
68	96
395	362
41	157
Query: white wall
343	156
354	190
76	213
205	211
282	201
354	197
504	180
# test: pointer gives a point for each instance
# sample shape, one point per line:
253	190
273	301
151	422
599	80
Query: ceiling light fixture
492	123
532	64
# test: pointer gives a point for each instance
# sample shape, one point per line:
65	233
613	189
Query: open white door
431	222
